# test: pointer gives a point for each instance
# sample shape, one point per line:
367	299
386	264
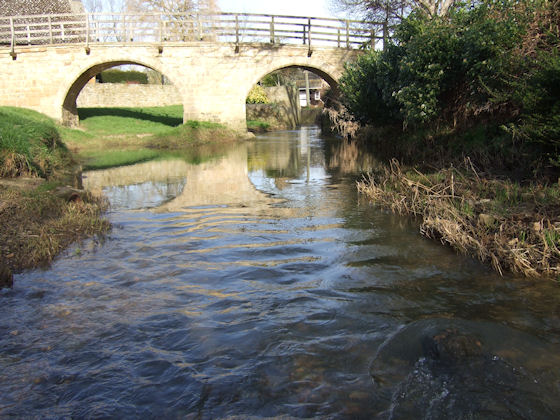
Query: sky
315	8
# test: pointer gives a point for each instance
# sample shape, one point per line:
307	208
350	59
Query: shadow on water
85	113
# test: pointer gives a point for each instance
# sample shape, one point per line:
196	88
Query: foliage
271	79
29	144
122	76
257	95
393	11
494	63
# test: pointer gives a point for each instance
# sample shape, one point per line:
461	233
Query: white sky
315	8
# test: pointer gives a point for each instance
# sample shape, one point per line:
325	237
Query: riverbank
123	136
512	226
39	214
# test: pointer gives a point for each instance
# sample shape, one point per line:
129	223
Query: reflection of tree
350	157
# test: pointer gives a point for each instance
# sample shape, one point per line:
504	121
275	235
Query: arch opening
288	97
96	97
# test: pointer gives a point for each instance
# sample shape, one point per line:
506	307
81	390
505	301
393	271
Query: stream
256	283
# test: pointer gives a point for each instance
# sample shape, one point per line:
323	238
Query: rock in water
6	276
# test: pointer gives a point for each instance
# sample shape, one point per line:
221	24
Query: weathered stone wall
284	111
106	95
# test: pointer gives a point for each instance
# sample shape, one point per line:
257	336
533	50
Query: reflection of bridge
45	61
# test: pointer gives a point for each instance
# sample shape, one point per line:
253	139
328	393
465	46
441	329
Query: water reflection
261	286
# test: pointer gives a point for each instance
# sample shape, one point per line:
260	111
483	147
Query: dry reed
513	228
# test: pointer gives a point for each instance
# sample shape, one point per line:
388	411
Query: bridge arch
325	75
69	107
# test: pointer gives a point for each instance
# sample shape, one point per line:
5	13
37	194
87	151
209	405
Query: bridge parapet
235	28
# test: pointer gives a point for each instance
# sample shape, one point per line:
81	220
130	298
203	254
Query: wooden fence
235	28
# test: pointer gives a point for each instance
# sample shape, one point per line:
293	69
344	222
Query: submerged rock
452	346
442	368
6	276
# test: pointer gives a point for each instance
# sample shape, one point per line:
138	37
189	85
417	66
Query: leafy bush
257	95
121	76
494	63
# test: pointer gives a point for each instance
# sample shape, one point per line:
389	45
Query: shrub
257	95
494	63
121	76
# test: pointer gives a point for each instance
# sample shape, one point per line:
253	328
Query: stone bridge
45	67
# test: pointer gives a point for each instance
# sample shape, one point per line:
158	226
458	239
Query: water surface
257	283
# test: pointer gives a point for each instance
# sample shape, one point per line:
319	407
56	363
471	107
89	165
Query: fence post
373	39
87	32
309	51
272	30
50	31
347	34
236	33
338	38
123	28
13	40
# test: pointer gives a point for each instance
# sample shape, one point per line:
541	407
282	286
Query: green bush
494	63
121	76
257	95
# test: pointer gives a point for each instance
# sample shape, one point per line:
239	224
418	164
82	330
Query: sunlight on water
257	284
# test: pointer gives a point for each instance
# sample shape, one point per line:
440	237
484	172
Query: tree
172	7
392	11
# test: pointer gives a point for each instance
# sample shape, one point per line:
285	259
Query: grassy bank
123	136
512	226
258	126
38	215
30	145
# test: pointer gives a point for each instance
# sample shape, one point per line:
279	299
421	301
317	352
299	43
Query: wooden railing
236	28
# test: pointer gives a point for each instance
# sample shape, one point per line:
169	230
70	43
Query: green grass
118	121
258	124
110	137
30	144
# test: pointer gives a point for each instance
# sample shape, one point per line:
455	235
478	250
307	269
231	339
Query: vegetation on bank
482	81
469	104
511	226
39	219
30	145
125	136
258	126
36	225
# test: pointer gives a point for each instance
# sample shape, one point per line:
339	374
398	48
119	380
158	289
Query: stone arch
293	110
69	108
330	79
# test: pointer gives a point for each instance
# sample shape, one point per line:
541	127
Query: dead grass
37	225
511	226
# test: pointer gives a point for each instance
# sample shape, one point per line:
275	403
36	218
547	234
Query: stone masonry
212	79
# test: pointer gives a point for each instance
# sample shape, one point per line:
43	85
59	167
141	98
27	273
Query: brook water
256	283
